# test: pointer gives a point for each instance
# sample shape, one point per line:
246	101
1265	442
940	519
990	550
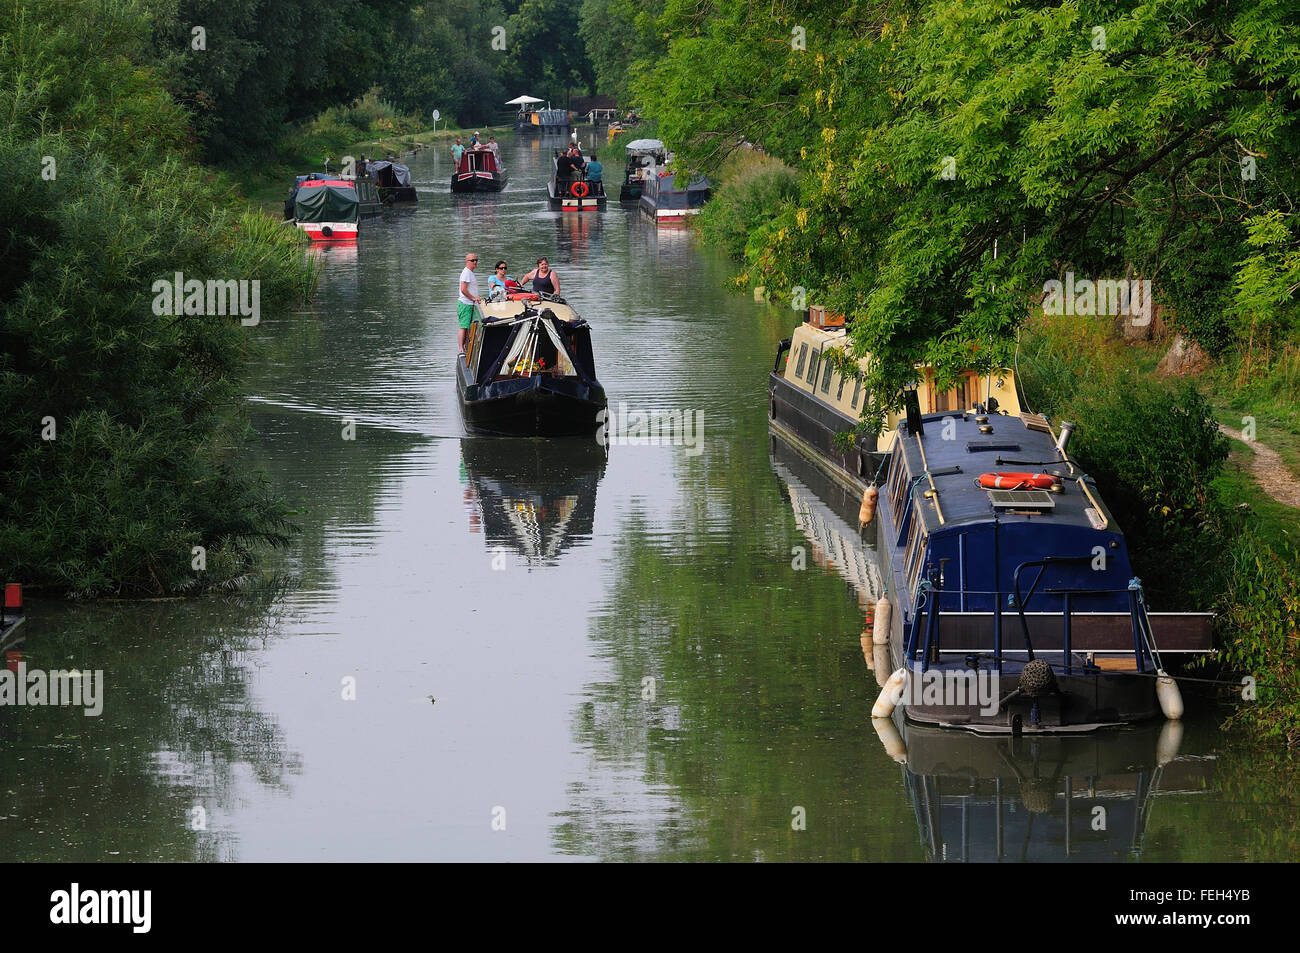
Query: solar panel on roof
1021	500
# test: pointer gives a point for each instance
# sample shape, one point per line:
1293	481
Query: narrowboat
543	121
1009	601
11	612
528	370
327	209
533	498
479	171
641	154
573	193
663	201
393	180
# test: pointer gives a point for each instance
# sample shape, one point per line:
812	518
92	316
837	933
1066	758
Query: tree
1100	137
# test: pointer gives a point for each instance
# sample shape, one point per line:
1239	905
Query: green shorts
464	315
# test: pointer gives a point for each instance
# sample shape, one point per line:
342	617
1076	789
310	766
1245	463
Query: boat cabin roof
954	452
506	310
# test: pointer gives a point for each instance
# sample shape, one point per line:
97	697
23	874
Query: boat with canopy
528	369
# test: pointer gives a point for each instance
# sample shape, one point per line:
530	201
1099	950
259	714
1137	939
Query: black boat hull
400	193
478	183
818	424
537	406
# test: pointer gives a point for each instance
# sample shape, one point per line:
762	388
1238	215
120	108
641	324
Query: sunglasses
501	267
471	259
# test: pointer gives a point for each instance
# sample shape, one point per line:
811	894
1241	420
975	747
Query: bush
754	186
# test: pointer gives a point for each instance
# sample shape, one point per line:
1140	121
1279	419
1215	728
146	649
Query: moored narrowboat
393	181
479	170
641	155
327	209
1010	604
664	201
528	370
11	612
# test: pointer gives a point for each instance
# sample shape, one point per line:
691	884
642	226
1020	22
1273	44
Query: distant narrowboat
528	370
393	180
11	612
663	201
327	209
573	193
479	170
641	154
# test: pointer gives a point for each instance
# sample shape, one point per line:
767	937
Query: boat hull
818	424
536	406
478	182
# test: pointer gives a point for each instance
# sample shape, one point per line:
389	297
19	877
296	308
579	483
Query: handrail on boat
935	499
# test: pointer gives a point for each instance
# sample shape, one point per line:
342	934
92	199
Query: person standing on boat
468	298
543	278
494	148
595	171
457	151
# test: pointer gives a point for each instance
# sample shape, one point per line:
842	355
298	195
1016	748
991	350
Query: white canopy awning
522	101
645	145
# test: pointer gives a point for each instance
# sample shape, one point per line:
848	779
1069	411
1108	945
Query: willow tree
959	154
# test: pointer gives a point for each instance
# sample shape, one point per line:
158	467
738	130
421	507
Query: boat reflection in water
825	511
1080	798
535	498
1062	797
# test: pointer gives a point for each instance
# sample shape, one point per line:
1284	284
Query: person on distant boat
499	279
457	151
468	298
595	172
563	170
543	278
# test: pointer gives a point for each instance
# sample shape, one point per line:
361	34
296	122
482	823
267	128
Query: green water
553	654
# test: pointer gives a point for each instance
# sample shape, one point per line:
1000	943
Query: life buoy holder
1016	481
523	296
578	190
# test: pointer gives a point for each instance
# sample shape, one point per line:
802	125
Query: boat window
916	552
812	367
803	355
857	392
826	377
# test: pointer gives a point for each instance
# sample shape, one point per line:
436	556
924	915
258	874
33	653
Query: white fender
880	663
867	512
890	695
1170	698
880	631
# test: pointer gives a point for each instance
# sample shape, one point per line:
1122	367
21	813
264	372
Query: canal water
499	649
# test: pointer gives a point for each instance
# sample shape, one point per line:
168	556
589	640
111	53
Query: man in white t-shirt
467	299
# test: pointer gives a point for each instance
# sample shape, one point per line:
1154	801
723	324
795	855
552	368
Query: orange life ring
523	296
1016	481
573	190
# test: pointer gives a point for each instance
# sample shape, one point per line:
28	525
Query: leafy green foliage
117	437
1100	137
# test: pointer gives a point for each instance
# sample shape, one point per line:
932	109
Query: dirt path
1272	475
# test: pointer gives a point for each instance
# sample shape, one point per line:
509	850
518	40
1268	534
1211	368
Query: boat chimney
1067	429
